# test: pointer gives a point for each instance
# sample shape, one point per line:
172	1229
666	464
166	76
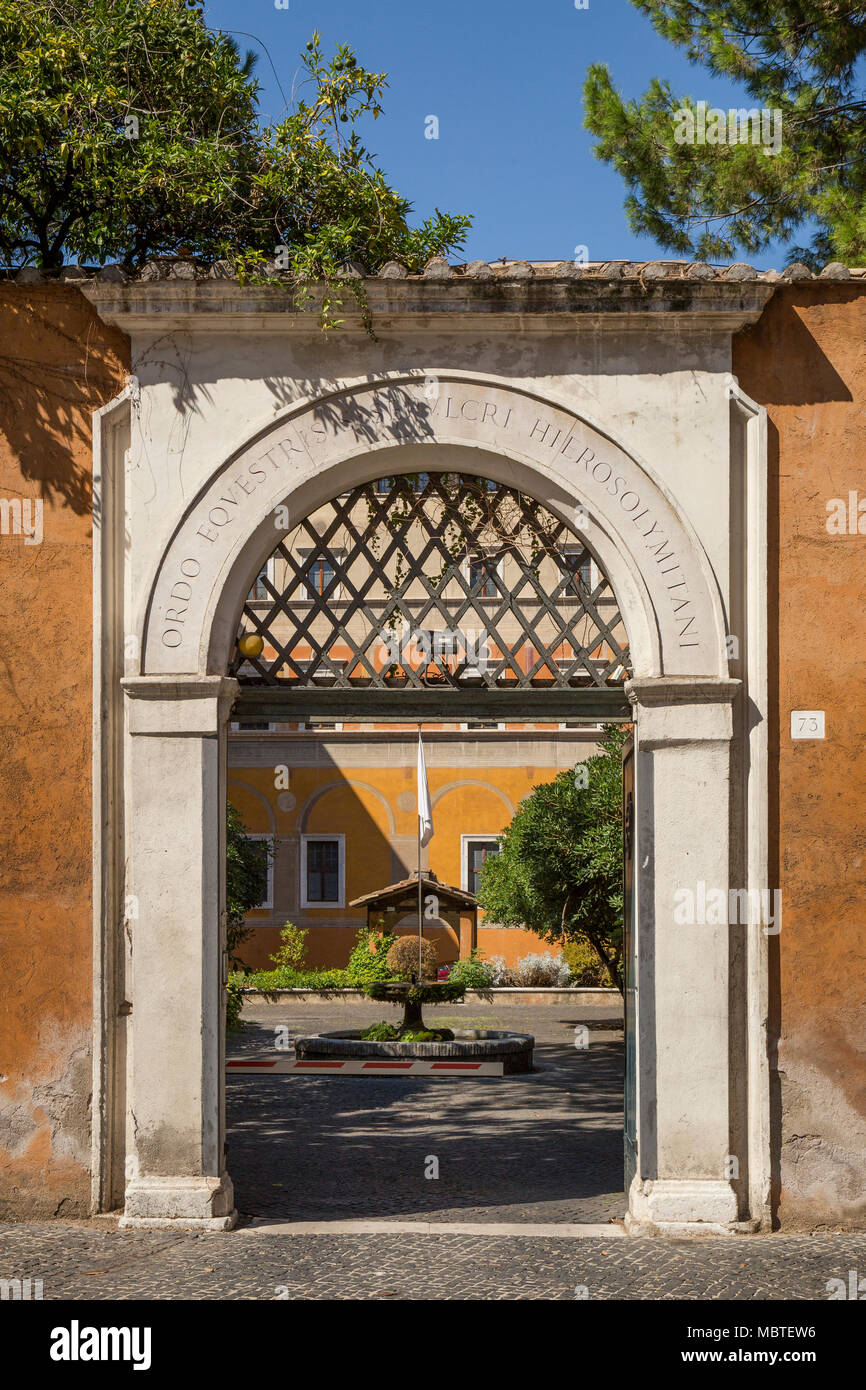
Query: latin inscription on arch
607	480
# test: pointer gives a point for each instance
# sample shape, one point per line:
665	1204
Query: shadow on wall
58	363
325	801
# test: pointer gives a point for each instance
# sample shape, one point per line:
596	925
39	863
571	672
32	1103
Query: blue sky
504	78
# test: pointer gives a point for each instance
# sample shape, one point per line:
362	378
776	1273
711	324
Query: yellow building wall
374	807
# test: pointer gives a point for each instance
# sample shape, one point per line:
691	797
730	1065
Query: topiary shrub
402	959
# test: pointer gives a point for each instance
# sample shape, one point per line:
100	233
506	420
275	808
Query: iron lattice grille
433	581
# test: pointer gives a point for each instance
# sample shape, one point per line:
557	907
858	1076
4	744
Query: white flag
425	810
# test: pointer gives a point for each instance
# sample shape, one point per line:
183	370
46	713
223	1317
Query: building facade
346	823
702	429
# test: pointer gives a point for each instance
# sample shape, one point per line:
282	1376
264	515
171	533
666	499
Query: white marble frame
690	715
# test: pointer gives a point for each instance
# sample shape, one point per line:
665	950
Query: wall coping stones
438	269
740	271
186	268
835	270
797	271
112	275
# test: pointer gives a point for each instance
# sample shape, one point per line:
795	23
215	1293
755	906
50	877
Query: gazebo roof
404	895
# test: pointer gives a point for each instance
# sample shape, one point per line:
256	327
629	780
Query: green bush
234	1004
386	1032
473	972
445	992
380	1032
291	954
367	961
298	979
585	966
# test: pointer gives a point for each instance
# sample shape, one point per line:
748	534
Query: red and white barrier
357	1066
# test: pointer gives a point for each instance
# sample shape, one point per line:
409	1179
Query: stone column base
684	1207
197	1204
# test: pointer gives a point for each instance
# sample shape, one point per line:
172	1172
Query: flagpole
420	903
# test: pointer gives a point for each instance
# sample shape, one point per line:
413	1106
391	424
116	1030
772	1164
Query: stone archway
696	1069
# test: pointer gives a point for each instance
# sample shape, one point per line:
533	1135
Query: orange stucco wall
58	363
806	362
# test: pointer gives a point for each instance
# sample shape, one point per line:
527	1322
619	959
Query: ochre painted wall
356	804
58	363
806	362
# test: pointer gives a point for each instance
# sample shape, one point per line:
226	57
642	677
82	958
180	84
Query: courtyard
543	1152
546	1147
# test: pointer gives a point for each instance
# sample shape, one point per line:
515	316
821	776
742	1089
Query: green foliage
368	959
246	861
386	1032
559	869
203	176
70	178
584	964
291	954
234	1003
706	199
380	1032
284	978
444	992
472	972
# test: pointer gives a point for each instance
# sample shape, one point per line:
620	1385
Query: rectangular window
323	870
383	486
266	870
258	591
576	564
320	576
482	576
476	849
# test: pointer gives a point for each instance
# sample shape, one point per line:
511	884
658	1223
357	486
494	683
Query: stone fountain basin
513	1050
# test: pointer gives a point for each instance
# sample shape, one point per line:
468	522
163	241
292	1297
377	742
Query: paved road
79	1261
538	1148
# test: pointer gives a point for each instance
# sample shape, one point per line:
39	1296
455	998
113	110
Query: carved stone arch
664	583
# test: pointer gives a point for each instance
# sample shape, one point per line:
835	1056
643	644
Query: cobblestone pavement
541	1148
537	1148
81	1261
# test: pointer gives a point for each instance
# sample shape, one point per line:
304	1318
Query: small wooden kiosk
453	928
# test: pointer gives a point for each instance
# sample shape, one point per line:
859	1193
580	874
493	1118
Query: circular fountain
413	1040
